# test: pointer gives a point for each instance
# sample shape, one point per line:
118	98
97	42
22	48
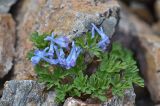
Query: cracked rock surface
26	93
31	93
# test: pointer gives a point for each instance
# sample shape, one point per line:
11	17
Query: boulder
32	93
5	5
138	36
26	93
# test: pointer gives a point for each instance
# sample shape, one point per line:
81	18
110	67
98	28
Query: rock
64	17
128	100
74	102
138	36
141	10
31	93
144	9
151	45
7	42
157	8
26	93
5	5
156	28
147	2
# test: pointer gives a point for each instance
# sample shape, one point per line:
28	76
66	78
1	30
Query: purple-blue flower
105	39
58	44
70	60
93	32
62	41
72	57
42	55
60	55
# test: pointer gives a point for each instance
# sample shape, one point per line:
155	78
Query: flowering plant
84	67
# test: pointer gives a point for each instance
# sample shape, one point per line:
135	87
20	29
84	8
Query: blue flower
42	54
35	60
51	49
93	32
72	57
105	39
62	41
70	60
60	55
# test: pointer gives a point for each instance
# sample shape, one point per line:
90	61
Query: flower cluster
83	67
105	39
55	55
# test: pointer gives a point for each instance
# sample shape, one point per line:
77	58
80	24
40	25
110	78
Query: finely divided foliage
63	65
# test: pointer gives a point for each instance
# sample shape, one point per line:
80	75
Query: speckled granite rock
5	5
7	42
64	17
31	93
26	93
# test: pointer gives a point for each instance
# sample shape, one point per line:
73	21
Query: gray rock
128	100
31	93
26	93
5	5
109	26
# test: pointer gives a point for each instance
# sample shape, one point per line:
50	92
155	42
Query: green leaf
102	98
89	44
39	41
30	54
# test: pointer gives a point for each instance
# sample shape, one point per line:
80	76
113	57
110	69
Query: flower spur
42	55
70	61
